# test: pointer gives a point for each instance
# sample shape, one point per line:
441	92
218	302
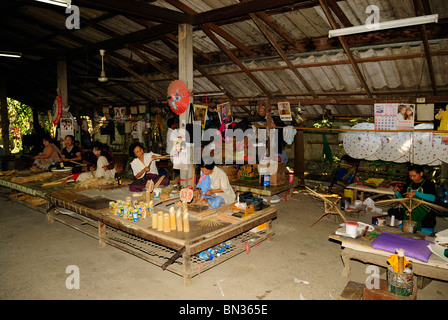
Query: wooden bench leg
345	273
49	211
186	269
268	230
101	234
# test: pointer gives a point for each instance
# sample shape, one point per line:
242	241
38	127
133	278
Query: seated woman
144	164
417	187
214	186
102	168
71	153
50	154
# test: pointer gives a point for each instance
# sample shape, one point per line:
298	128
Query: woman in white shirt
104	165
144	164
220	191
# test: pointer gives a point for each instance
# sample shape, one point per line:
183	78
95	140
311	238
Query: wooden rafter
282	54
161	93
240	9
229	53
346	48
418	5
276	27
138	9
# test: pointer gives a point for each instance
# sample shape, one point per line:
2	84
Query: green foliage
324	123
20	119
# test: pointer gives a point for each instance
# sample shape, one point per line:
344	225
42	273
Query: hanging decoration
178	96
423	148
56	110
361	144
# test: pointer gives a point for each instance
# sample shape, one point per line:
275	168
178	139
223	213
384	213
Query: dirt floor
299	263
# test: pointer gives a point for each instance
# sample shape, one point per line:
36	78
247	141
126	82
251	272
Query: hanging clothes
288	134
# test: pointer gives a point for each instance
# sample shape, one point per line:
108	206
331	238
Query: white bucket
351	228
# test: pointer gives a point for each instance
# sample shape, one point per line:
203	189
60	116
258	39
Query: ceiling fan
102	77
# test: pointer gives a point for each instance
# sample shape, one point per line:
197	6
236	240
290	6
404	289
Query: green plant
324	123
20	119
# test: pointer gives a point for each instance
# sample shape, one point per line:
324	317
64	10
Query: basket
400	284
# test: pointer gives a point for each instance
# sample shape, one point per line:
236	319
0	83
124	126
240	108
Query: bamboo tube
158	182
154	220
172	218
160	221
400	260
166	222
185	218
179	220
148	196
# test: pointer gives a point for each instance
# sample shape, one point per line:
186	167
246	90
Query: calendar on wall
394	117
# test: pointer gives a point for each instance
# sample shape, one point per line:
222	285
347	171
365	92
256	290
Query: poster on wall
200	114
225	112
120	113
180	154
67	127
284	110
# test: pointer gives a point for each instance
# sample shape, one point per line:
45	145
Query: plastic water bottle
204	255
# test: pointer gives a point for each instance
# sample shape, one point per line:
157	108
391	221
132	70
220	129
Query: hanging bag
189	128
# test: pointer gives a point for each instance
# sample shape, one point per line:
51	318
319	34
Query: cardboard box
249	172
277	175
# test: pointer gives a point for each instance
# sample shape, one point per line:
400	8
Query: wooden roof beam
151	62
161	92
418	5
282	54
211	26
240	9
229	53
138	9
346	48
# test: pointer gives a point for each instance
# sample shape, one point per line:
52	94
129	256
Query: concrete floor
35	255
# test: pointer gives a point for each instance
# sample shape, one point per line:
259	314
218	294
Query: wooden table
157	247
255	187
138	238
378	191
361	249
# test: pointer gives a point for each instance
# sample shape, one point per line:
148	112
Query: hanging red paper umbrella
178	96
56	110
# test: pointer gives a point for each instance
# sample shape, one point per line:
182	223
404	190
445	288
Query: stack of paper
440	244
442	237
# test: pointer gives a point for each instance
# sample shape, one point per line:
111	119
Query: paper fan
361	145
178	96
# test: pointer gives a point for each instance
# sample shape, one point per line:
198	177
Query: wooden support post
186	75
101	233
299	156
62	80
4	116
